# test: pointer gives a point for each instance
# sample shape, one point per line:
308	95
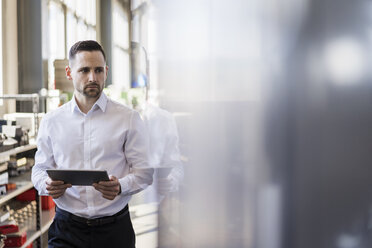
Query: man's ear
68	72
106	70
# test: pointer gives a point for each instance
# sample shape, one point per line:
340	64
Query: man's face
88	72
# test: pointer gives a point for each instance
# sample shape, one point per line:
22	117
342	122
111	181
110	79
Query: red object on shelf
10	186
15	239
29	195
47	202
5	229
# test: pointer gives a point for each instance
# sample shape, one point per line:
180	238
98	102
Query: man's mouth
92	86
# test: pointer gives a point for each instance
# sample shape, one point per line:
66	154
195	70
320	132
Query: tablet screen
78	177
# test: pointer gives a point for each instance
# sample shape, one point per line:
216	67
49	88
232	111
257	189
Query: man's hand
56	188
109	189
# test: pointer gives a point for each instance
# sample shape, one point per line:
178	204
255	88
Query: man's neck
84	103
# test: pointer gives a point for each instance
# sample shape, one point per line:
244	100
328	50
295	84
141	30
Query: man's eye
85	70
99	70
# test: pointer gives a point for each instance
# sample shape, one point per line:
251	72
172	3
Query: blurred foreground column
273	100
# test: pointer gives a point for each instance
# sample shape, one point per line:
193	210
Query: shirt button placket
86	143
88	166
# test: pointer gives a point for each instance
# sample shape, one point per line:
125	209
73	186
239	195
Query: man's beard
92	92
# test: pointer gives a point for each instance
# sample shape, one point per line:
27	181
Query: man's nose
92	76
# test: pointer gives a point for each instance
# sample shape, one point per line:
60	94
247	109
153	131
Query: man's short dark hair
85	45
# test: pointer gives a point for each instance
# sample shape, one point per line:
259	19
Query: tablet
78	177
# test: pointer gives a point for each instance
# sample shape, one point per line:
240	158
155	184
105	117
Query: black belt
96	221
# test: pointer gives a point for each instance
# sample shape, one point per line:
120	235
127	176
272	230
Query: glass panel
120	68
56	31
91	12
135	29
80	8
81	30
93	19
71	4
273	101
71	30
56	39
120	27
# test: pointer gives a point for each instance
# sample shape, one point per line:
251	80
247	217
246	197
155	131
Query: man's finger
54	183
113	178
108	192
108	188
109	197
55	187
108	183
113	191
57	191
56	194
63	186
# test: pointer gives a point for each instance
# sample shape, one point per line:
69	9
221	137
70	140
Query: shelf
23	183
21	97
21	187
24	176
46	220
18	150
25	214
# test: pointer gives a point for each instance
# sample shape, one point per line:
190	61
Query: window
120	54
56	43
80	20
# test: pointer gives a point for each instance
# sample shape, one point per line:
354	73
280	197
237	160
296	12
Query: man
92	132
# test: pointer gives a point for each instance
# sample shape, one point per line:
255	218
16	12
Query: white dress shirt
109	137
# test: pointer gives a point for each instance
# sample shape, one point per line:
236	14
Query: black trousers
70	231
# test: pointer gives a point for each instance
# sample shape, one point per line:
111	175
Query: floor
144	219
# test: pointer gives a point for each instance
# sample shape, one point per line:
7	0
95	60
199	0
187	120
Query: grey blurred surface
278	130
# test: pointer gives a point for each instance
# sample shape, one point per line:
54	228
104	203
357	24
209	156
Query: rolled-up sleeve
44	158
136	153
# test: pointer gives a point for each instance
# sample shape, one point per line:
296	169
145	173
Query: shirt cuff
42	189
125	185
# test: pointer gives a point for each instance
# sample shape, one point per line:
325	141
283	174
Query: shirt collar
101	103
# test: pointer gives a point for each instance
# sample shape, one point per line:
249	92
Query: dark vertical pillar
30	76
105	22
